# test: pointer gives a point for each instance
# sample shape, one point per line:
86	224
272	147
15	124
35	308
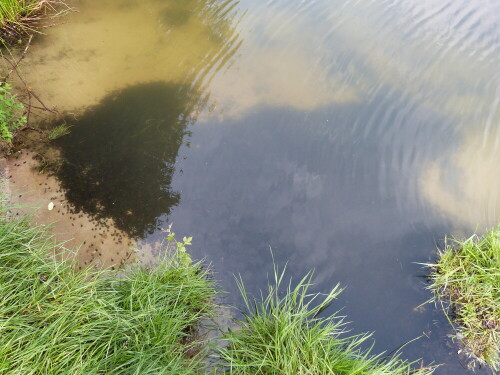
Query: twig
14	66
28	89
31	128
28	110
54	111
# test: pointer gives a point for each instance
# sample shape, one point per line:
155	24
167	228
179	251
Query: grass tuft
466	282
285	335
56	320
14	12
59	131
20	17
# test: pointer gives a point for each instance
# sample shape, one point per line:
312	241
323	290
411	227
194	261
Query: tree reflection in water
118	161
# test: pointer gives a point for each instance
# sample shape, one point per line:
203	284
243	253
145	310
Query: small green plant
11	113
180	247
58	131
466	283
283	334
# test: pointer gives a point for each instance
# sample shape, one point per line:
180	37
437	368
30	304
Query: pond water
348	136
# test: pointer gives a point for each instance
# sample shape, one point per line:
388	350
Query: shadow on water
118	160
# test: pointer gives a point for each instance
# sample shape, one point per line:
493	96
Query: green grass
56	320
19	18
285	335
58	131
12	117
466	282
14	11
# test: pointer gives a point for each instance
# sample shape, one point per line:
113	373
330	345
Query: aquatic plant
56	320
283	334
11	113
58	131
466	284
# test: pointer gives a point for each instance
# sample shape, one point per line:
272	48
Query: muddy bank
96	242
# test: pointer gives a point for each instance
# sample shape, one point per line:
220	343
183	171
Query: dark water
349	137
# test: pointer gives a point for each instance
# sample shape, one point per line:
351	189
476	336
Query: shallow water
348	136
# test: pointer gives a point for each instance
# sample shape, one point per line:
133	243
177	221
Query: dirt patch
95	242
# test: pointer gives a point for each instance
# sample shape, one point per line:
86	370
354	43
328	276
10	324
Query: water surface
348	136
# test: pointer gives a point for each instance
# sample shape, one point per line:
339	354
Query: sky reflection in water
348	136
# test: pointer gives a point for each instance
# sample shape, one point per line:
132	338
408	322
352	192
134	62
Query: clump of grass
13	13
466	282
285	335
12	10
19	17
56	320
58	131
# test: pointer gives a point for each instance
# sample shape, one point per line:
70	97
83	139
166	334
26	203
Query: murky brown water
347	135
124	43
40	195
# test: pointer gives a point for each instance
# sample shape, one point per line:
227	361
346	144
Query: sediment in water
95	242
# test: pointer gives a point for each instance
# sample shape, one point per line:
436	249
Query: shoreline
97	243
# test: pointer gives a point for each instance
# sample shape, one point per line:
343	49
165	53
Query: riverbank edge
20	22
23	245
465	282
373	363
135	319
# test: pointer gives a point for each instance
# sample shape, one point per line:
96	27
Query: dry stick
40	101
28	89
29	110
31	128
41	108
28	113
14	67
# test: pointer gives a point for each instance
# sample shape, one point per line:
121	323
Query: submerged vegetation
56	320
58	131
283	334
466	281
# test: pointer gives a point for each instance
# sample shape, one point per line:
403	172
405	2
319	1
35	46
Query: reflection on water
466	185
119	158
271	74
347	135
